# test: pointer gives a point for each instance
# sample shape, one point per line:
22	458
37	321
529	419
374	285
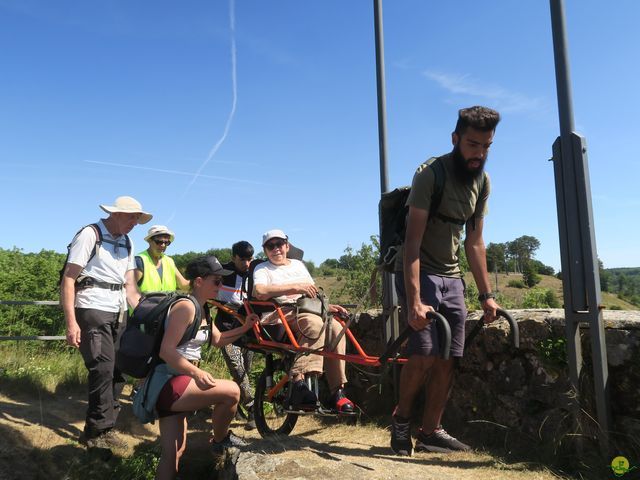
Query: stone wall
521	399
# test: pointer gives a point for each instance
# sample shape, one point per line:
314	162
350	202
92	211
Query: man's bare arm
67	301
477	256
416	225
265	292
131	289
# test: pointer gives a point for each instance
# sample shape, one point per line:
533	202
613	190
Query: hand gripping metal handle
514	331
444	331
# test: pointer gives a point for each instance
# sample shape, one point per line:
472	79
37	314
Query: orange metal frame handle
361	357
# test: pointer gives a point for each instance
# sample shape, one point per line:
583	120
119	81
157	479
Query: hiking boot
230	441
340	402
439	442
105	441
251	422
401	443
301	397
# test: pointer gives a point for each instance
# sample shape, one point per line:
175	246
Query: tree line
516	256
35	276
624	282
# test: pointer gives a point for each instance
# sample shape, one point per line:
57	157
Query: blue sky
226	119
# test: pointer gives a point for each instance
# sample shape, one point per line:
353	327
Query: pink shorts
170	393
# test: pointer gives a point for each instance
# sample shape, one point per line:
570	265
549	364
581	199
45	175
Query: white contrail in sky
234	86
176	172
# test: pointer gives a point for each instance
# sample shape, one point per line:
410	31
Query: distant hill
513	296
623	282
630	271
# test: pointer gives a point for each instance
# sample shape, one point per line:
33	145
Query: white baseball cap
273	234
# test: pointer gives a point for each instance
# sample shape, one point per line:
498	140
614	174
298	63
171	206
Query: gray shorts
446	296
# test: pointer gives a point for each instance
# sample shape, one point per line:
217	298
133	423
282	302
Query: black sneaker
230	441
301	397
439	442
401	443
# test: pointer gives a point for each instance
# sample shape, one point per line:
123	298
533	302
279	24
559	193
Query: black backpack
140	343
94	251
393	211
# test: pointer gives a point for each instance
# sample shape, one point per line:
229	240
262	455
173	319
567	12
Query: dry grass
331	451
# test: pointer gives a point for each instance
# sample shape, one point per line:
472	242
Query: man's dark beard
461	169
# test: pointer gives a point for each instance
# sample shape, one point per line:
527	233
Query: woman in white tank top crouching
193	388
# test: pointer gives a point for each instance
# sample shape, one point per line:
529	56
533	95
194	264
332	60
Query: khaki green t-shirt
441	239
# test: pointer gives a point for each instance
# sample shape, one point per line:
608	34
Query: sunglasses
276	244
217	282
161	242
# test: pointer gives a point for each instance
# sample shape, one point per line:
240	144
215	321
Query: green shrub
358	267
504	302
530	275
540	298
553	351
471	297
30	276
516	284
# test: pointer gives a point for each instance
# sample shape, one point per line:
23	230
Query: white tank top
192	349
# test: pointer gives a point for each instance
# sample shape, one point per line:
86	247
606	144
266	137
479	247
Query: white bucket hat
159	230
128	205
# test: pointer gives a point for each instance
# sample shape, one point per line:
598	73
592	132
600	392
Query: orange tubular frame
292	346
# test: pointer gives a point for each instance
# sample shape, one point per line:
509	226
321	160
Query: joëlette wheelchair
278	343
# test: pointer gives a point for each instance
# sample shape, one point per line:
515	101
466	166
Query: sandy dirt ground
40	439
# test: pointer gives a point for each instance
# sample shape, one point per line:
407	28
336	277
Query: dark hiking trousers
100	333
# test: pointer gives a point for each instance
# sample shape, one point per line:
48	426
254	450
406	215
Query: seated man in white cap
285	280
156	271
96	285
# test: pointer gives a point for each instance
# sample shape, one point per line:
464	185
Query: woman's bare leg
173	439
224	396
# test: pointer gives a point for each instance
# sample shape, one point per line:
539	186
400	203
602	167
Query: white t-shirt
109	264
269	274
232	294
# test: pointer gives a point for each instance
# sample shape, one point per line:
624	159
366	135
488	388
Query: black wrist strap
486	296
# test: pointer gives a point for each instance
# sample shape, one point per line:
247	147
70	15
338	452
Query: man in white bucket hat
155	270
96	285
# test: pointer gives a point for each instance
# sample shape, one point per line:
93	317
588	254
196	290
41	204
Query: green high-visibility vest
151	281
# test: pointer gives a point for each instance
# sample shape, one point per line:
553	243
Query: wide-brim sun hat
127	204
273	234
159	230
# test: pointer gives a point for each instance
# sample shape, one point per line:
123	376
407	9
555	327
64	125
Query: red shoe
341	402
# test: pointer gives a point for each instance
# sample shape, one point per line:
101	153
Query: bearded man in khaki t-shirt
432	278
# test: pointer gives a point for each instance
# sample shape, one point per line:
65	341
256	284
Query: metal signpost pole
389	296
580	275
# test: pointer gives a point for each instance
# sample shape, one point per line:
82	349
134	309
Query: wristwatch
486	296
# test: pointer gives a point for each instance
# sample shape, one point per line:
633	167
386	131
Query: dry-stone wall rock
523	396
518	399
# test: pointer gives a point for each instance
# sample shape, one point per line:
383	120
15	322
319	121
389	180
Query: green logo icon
620	466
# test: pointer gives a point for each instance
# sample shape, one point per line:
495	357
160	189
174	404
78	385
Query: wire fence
48	303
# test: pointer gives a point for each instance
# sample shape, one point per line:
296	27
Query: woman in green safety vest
155	271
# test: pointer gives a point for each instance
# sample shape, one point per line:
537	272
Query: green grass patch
47	367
